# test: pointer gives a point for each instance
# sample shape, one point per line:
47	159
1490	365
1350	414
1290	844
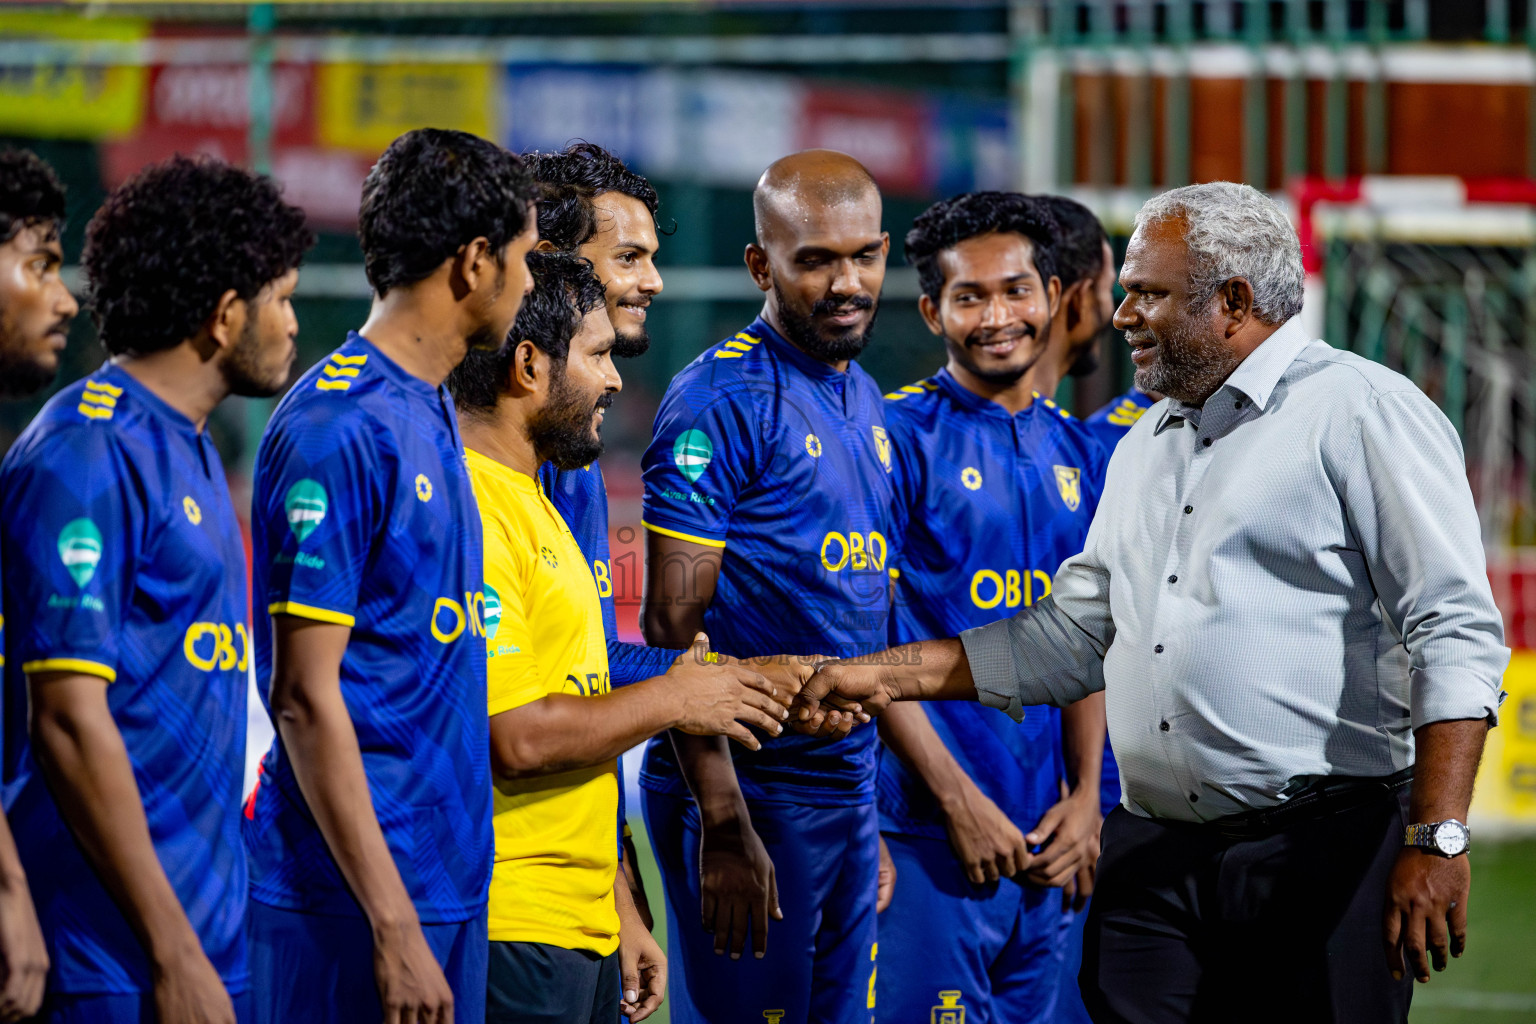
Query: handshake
814	694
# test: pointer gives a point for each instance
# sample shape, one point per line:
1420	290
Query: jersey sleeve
512	668
629	663
320	502
74	529
703	454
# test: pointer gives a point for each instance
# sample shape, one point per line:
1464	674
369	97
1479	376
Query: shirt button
1158	649
1163	726
1173	579
1193	798
1209	442
1188	509
1237	405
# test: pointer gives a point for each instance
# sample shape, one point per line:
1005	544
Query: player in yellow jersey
557	920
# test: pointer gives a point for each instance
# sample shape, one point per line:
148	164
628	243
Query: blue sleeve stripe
84	666
707	542
306	611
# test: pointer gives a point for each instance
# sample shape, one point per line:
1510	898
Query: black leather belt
1326	796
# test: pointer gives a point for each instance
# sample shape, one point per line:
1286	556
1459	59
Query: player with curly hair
370	832
128	631
35	312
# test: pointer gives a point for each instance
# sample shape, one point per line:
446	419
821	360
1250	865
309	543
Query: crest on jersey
970	476
693	452
492	612
813	446
882	447
949	1010
193	513
305	505
80	549
423	487
773	1016
1069	483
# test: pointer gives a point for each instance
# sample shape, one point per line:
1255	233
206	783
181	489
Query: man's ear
474	267
225	323
1073	298
930	311
1236	296
530	368
545	245
757	265
1053	296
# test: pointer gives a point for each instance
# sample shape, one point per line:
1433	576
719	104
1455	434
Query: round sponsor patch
692	452
80	549
492	612
305	504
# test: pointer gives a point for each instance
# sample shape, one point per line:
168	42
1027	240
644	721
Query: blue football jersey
988	504
785	464
581	498
126	563
363	516
1109	424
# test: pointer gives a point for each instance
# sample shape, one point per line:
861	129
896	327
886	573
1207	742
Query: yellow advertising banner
1505	799
365	106
63	100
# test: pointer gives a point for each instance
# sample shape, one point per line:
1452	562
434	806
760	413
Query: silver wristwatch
1448	838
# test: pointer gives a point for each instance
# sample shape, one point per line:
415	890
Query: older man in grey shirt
1283	596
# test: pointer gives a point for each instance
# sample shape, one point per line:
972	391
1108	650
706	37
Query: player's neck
1017	395
421	339
501	435
181	378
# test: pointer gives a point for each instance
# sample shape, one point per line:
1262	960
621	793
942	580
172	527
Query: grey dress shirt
1278	586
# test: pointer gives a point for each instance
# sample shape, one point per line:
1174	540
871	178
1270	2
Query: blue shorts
819	968
947	943
131	1008
1069	998
306	967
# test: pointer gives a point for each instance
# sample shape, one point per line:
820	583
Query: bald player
767	508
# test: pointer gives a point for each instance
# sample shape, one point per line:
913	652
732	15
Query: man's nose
997	313
846	280
1126	315
650	280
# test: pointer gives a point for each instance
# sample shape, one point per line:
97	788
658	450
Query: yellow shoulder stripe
308	611
339	371
341	360
104	388
93	412
683	536
83	666
332	385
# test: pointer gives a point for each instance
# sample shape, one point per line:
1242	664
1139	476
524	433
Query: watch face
1451	838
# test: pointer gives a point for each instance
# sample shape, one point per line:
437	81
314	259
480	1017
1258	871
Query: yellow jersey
556	835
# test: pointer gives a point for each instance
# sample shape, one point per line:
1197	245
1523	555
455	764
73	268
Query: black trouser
1191	924
531	983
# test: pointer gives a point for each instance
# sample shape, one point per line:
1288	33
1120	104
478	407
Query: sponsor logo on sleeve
692	452
305	504
80	549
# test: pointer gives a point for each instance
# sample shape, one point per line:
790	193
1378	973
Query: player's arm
23	955
1069	831
737	877
82	756
311	715
642	963
989	845
561	732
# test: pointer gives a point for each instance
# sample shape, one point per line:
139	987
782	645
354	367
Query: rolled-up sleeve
1053	651
1408	500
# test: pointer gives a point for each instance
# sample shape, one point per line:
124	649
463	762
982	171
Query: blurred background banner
1399	134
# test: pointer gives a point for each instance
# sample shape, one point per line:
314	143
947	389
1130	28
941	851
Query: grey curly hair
1235	230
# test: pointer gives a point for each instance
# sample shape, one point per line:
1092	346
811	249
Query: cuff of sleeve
1449	694
84	666
989	649
693	538
309	611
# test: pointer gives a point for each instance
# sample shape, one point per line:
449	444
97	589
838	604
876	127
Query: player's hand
411	982
989	845
644	969
887	885
787	672
23	956
852	688
721	697
1426	911
1069	833
737	884
187	990
1075	894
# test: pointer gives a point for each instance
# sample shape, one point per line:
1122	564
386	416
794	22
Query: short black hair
951	221
433	192
565	290
30	193
177	235
570	180
1080	240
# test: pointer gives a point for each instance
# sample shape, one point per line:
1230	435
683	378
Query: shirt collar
111	373
1258	375
391	369
978	403
784	349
